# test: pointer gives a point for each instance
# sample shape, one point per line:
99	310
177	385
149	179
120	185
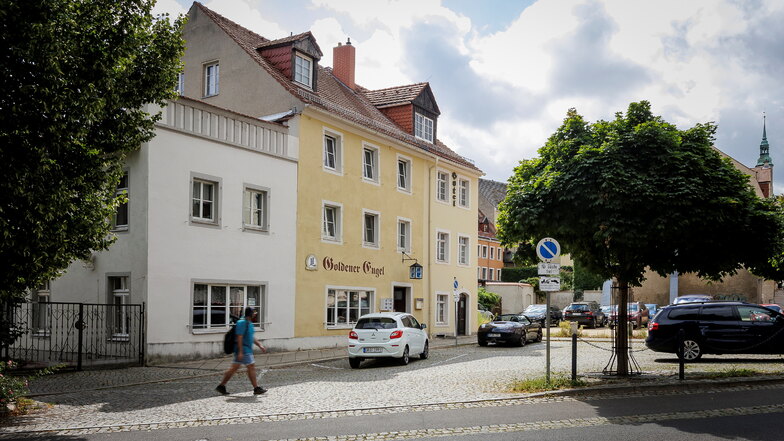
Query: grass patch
540	384
732	372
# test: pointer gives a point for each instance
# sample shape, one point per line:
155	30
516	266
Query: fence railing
75	334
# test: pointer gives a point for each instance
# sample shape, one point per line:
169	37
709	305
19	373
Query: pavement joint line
548	396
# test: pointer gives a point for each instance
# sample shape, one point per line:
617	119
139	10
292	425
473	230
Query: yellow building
377	192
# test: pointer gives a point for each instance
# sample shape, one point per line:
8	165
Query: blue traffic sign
548	249
455	284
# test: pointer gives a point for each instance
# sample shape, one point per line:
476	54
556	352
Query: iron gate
75	334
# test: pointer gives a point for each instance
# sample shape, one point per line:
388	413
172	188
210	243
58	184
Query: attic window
423	127
303	69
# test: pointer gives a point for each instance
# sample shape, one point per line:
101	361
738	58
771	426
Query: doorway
461	314
400	299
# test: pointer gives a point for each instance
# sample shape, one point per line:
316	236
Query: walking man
243	353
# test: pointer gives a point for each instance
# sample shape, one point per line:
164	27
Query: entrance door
400	296
461	314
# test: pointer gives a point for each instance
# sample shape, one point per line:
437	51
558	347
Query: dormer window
303	70
423	127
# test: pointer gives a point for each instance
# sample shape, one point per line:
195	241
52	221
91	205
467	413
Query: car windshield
509	318
376	323
535	308
577	308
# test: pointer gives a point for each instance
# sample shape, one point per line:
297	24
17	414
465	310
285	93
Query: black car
537	314
585	313
509	328
717	328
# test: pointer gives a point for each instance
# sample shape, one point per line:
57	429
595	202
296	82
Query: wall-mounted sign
387	304
367	267
419	303
415	271
311	263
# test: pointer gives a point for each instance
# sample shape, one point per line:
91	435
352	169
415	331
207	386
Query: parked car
692	298
717	328
537	314
509	328
653	308
637	315
585	313
772	306
387	335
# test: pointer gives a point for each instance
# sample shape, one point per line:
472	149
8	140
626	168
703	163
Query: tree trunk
622	337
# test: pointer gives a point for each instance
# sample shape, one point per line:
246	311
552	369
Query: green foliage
14	387
540	384
517	274
586	280
488	299
76	75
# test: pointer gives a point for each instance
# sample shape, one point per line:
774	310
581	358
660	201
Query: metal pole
681	368
547	345
80	326
457	301
574	357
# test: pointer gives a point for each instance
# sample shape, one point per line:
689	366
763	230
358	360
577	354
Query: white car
387	335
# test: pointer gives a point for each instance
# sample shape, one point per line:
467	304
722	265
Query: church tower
764	168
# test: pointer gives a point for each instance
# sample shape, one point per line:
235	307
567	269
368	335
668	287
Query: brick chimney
343	63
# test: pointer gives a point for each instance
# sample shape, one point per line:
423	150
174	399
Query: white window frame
41	319
119	298
423	127
376	217
442	308
442	184
442	241
249	208
408	167
211	79
300	70
490	273
347	323
463	255
463	192
230	307
338	222
484	251
337	159
407	238
180	88
484	273
498	274
123	190
371	172
203	179
492	253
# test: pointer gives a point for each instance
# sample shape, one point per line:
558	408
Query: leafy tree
76	74
488	300
637	192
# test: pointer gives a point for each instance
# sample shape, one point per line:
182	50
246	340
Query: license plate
372	350
493	335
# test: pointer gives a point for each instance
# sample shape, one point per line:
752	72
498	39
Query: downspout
429	242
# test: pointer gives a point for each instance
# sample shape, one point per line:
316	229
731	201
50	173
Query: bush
488	300
13	388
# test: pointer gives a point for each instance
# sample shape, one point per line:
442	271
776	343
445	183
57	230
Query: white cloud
249	14
170	7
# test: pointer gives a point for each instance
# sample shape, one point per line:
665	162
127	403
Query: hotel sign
367	267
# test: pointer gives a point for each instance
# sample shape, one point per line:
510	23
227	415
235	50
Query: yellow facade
329	272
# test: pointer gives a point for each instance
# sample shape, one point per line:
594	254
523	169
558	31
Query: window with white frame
404	174
331	221
498	273
120	218
120	317
462	242
254	208
442	183
333	151
370	229
484	251
204	200
490	274
492	250
217	305
403	235
423	127
464	193
484	273
478	273
303	70
41	310
370	163
211	79
345	306
442	247
180	88
479	251
442	309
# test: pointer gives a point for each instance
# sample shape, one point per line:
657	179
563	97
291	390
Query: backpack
230	340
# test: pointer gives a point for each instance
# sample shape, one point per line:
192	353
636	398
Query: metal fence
77	335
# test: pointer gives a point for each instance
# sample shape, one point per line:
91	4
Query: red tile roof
394	96
332	95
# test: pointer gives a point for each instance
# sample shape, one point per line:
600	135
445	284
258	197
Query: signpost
548	249
456	296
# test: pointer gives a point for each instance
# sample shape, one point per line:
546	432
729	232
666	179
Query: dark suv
717	328
536	313
585	313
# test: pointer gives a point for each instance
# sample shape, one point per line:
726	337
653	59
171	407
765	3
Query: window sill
332	241
371	246
255	229
120	229
371	181
333	171
204	222
442	262
212	95
405	191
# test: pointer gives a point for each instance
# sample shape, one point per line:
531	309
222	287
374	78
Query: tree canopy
637	192
76	75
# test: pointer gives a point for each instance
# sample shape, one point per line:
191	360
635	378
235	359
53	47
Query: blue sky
505	72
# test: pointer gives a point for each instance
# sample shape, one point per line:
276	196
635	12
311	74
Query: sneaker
221	389
258	390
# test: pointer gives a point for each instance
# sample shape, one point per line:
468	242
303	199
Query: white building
209	228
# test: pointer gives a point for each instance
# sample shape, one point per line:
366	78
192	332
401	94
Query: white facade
166	251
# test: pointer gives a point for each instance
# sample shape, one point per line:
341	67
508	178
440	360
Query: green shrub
488	300
13	388
540	384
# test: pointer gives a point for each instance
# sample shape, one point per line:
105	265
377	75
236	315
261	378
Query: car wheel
593	324
354	362
523	340
405	358
539	336
691	350
482	342
426	352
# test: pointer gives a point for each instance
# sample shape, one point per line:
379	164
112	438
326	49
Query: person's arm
261	347
239	346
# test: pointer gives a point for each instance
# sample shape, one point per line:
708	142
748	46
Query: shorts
247	358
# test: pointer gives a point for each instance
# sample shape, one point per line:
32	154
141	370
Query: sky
505	72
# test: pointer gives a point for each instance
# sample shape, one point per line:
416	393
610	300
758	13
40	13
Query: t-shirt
245	329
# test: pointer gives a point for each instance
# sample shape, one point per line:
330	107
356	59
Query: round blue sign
548	249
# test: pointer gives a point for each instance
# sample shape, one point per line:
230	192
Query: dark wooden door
461	315
400	302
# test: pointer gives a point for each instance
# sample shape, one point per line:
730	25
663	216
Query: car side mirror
422	326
